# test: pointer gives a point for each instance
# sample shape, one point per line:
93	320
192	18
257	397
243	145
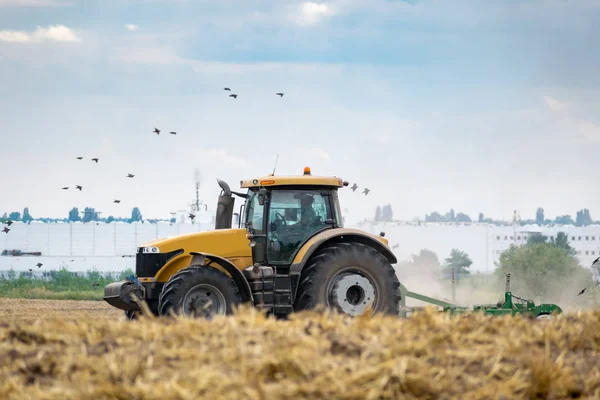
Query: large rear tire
349	278
199	292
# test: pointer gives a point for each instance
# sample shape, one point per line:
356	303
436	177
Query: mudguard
199	259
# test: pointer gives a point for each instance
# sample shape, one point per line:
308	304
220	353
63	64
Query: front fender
206	259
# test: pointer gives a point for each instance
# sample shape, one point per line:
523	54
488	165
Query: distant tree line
89	214
582	218
541	269
427	262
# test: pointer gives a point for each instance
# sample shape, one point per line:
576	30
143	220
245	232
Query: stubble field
75	349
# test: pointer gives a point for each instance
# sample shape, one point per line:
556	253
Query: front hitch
119	294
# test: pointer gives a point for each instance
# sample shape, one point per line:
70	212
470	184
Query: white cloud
222	156
168	55
581	128
131	27
588	130
310	13
56	33
315	152
33	3
555	105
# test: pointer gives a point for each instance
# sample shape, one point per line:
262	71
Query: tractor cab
283	213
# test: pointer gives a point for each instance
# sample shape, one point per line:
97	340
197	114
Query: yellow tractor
289	252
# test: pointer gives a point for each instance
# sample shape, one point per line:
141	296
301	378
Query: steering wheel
281	218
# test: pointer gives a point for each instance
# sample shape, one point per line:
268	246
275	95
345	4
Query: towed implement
512	305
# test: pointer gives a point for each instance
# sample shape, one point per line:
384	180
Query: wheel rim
352	293
204	300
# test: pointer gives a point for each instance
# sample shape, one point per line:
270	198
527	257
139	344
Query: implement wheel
199	292
349	278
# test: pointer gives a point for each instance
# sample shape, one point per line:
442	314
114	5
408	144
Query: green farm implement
512	305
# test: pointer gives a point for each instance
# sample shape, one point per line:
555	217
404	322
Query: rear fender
331	236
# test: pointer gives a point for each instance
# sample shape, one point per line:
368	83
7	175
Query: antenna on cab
275	164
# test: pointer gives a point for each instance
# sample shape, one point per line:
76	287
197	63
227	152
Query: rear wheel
199	292
349	278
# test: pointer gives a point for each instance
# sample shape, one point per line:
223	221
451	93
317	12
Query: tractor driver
308	216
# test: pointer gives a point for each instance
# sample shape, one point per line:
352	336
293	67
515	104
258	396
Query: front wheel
349	278
199	292
132	314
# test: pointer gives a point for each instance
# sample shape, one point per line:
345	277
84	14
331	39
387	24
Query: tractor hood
226	243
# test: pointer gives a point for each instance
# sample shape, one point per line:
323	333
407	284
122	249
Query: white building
482	242
110	247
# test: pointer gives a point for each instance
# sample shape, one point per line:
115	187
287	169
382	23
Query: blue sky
477	105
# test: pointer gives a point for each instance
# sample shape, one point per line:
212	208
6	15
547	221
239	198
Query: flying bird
95	160
39	265
354	187
157	131
366	191
65	188
227	89
117	201
130	176
79	187
173	133
5	230
279	94
80	158
30	270
9	222
583	291
233	95
192	216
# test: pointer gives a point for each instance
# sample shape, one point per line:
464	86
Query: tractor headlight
151	250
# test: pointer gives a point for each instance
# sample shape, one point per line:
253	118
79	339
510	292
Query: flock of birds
80	187
355	186
6	228
234	95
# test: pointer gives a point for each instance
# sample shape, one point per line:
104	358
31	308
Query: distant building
483	242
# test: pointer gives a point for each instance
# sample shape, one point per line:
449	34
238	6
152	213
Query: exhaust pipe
225	204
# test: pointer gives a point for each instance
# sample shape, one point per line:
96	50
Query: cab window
294	217
255	213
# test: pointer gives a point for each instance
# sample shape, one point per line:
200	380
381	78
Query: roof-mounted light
306	170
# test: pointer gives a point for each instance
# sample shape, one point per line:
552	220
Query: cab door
255	223
292	221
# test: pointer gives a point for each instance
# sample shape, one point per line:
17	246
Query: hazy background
483	106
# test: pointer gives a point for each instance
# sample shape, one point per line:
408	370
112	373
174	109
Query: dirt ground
23	310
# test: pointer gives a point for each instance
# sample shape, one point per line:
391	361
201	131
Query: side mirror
262	194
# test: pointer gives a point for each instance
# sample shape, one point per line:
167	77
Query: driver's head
307	211
306	201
